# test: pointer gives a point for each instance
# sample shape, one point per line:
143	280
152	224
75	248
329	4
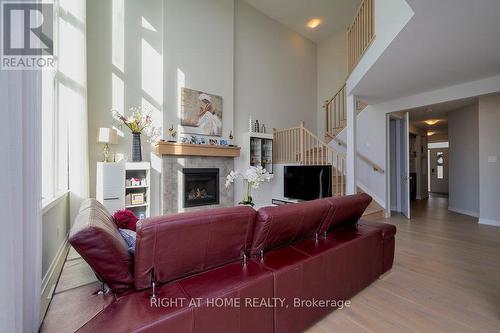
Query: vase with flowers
252	178
139	122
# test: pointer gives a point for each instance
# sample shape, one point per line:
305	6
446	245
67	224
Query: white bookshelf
114	192
142	171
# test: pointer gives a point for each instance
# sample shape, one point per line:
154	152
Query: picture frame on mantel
201	113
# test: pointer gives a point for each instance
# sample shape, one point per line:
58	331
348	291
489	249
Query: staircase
299	145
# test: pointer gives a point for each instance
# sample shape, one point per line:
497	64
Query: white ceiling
447	42
335	15
437	111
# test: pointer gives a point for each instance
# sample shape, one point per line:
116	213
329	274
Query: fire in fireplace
201	186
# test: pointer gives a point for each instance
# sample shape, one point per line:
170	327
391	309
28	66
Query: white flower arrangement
252	177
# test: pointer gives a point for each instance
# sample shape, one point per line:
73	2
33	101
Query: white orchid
231	178
253	177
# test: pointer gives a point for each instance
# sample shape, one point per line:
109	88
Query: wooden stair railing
360	33
372	164
336	112
299	145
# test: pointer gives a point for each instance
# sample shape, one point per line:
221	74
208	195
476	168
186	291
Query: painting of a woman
201	113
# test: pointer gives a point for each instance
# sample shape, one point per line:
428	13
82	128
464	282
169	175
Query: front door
438	165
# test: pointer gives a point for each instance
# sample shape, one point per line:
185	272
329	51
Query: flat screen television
308	182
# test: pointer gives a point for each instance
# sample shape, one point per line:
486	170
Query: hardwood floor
445	278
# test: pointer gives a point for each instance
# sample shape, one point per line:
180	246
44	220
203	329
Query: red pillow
125	219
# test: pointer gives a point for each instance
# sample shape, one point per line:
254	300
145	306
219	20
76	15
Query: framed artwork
201	113
137	198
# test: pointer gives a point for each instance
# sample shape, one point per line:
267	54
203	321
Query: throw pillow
125	219
129	237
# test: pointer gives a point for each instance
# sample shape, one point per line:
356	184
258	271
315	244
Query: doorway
399	168
438	170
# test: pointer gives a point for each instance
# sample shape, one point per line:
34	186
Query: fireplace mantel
184	149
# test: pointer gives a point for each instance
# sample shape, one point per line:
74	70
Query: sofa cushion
345	210
234	284
171	247
96	238
282	225
354	259
297	276
137	312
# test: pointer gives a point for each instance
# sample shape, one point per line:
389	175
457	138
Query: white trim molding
52	276
463	211
489	222
375	197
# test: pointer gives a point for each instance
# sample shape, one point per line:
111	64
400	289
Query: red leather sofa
233	269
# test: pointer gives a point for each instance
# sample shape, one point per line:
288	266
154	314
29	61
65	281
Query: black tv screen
308	182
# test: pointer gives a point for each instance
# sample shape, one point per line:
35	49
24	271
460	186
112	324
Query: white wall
463	166
332	72
275	81
199	38
489	165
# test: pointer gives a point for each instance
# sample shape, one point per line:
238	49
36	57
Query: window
54	131
444	144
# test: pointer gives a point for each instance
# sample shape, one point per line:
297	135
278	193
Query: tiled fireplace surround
173	180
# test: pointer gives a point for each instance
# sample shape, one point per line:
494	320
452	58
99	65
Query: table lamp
107	136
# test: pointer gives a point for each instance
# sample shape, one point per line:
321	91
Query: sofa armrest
388	231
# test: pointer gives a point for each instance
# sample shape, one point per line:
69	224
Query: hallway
445	278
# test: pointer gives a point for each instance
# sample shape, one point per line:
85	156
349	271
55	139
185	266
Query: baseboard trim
463	211
375	197
489	222
52	276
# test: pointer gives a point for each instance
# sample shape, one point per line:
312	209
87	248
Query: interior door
405	165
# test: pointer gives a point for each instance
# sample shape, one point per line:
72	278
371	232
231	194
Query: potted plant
252	178
140	121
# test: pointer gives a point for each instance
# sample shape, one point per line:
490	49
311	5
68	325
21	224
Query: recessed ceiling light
430	133
314	23
432	121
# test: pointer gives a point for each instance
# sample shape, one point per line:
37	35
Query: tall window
54	129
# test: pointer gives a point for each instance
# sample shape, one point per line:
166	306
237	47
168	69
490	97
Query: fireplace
201	187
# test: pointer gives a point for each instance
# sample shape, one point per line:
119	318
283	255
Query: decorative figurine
256	127
172	133
231	137
263	128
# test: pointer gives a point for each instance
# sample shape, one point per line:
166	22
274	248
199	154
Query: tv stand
284	201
